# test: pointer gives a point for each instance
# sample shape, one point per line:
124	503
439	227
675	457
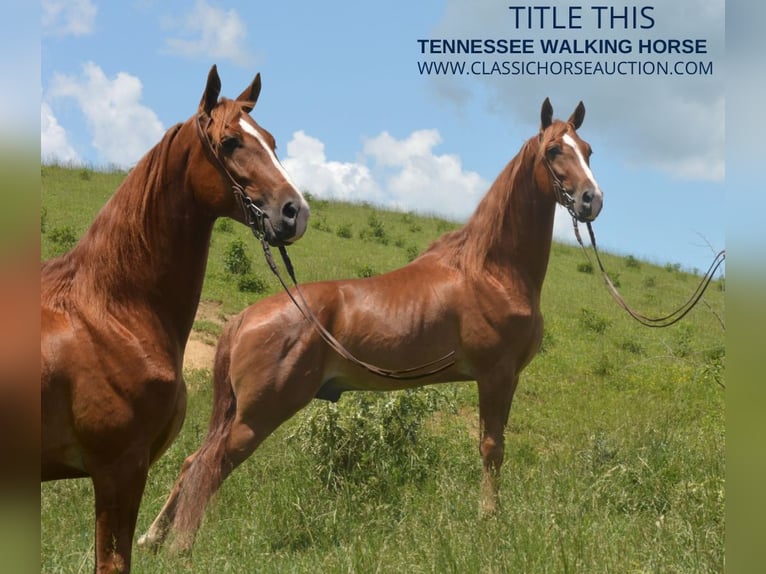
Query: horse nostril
587	197
290	210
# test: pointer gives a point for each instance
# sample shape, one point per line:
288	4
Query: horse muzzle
289	225
587	204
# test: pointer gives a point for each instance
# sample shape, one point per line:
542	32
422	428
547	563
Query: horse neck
511	231
150	242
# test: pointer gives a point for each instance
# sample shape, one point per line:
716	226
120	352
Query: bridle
564	198
255	217
256	220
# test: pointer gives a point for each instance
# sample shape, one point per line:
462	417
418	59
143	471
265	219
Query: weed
64	238
319	222
632	262
592	321
365	271
632	346
224	225
673	267
682	340
585	267
375	231
250	283
236	260
344	231
376	441
412	252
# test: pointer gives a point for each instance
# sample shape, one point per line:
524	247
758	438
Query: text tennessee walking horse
116	311
475	291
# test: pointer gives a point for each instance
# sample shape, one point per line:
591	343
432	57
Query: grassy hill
615	448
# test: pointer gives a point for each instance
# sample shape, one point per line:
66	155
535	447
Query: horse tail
209	469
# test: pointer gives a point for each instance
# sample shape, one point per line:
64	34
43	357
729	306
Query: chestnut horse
116	311
475	291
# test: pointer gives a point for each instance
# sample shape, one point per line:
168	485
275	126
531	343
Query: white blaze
254	132
569	140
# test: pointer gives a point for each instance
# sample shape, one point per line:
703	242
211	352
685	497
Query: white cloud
122	128
671	123
405	174
54	144
211	32
68	17
308	166
419	179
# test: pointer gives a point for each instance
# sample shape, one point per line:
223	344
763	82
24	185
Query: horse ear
546	114
577	116
212	89
250	95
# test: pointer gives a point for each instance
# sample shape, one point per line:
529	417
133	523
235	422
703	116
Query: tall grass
614	458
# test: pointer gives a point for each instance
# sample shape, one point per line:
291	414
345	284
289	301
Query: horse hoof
148	542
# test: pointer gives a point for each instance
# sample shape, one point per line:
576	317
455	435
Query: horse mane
117	252
468	247
499	217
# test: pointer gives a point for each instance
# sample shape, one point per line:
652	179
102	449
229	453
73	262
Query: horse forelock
226	113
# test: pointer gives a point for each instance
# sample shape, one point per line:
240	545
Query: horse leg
118	488
211	465
495	397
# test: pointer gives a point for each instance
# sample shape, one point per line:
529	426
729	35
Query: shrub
585	267
250	283
224	225
375	230
632	262
592	321
344	231
412	252
319	222
378	441
682	340
236	260
64	238
365	271
673	267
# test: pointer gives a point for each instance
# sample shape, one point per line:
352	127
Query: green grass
615	447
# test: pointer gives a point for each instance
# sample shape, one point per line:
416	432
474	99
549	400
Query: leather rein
257	220
665	320
566	200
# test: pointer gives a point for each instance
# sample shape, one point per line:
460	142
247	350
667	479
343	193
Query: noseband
563	197
255	217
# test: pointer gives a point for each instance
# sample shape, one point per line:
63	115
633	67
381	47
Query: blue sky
354	118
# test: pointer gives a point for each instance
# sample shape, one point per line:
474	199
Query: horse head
566	158
251	185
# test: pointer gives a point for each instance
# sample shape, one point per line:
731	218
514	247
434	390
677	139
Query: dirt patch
199	355
200	349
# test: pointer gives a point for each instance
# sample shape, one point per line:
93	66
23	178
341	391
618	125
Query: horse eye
553	151
229	143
